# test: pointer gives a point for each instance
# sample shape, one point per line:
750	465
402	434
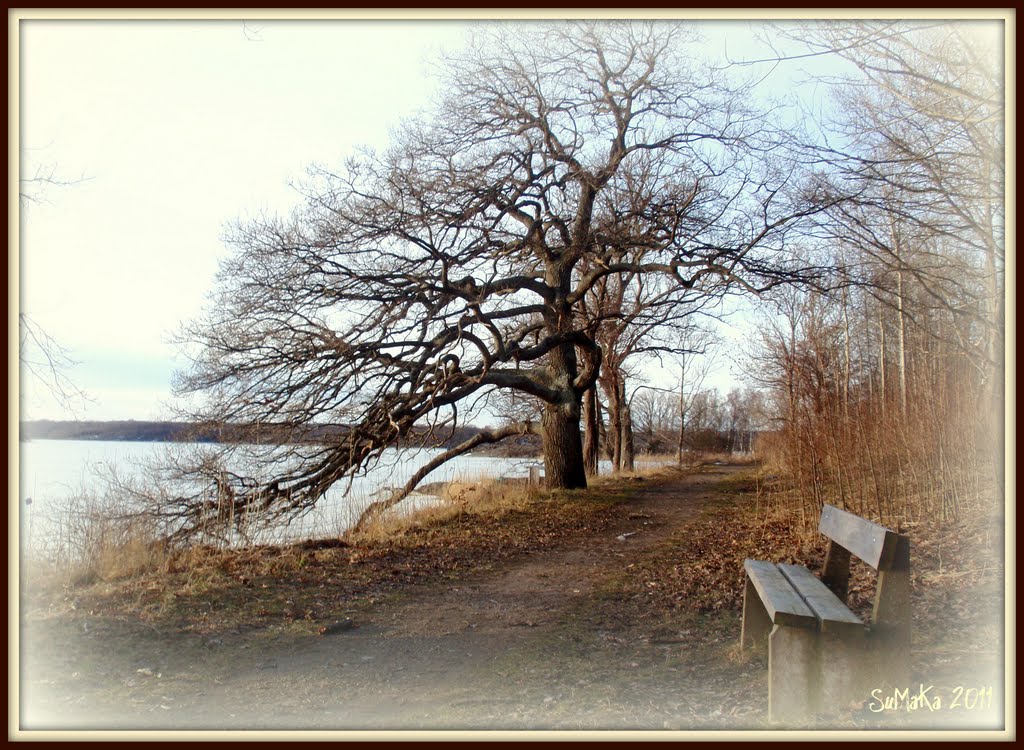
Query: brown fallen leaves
702	569
957	570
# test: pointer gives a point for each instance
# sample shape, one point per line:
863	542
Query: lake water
57	474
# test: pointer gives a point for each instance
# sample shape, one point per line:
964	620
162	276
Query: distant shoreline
143	431
195	432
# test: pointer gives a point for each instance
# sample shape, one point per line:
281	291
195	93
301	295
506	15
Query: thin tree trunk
791	393
881	358
902	355
999	407
901	318
614	432
866	349
682	415
996	343
846	359
626	424
591	432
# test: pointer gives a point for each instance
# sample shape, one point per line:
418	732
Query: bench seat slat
833	616
782	602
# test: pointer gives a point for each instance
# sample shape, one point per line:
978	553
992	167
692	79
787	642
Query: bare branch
376	509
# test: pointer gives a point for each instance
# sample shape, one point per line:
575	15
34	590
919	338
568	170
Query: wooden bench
820	655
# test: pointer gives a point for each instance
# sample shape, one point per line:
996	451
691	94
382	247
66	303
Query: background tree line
887	391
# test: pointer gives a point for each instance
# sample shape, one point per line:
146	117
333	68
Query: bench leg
844	670
890	632
792	673
889	666
756	623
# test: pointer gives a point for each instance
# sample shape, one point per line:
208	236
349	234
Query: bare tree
35	185
662	413
48	361
43	356
418	280
694	366
653	410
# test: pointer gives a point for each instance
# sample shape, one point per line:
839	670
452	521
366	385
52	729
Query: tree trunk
626	424
614	432
563	445
682	413
846	356
996	340
881	359
902	343
591	432
604	440
560	422
901	330
999	407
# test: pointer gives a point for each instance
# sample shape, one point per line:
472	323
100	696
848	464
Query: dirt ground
563	635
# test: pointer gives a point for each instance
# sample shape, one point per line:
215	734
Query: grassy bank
306	583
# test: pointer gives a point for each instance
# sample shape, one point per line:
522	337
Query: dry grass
934	462
482	498
127	557
486	497
740	459
109	550
96	547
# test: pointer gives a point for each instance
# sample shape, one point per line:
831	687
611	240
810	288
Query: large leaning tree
416	281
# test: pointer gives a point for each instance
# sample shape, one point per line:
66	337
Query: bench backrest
874	544
882	549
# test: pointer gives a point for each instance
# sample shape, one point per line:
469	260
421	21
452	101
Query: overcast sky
176	129
169	130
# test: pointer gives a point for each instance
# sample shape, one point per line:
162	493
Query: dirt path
536	643
540	590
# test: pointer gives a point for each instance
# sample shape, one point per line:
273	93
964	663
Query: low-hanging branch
376	509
